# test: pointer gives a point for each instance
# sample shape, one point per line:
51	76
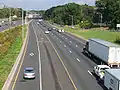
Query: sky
42	4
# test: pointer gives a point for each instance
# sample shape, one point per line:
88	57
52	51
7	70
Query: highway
7	26
58	61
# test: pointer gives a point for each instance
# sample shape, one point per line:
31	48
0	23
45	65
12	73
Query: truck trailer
112	79
104	51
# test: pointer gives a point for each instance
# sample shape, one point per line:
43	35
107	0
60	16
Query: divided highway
58	61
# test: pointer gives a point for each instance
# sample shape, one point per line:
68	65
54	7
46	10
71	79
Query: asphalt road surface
7	26
58	61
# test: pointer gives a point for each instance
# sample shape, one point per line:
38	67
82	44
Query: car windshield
104	68
29	71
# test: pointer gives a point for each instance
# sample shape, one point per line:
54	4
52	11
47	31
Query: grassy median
8	58
90	33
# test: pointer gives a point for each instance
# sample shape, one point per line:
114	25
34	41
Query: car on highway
46	32
54	28
99	70
29	73
49	29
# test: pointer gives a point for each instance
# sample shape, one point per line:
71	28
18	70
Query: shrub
117	40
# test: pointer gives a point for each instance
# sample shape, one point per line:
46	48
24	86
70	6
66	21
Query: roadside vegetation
104	13
10	45
95	33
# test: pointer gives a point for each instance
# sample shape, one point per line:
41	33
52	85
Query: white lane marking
70	41
64	45
76	45
60	41
70	51
62	36
57	38
65	38
89	72
78	59
31	54
75	38
39	58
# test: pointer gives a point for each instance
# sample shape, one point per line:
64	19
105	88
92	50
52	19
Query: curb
16	64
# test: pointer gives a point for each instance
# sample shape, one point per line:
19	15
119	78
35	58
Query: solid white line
78	59
89	72
75	38
39	58
65	38
70	41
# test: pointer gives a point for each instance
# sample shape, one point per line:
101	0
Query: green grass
105	35
8	60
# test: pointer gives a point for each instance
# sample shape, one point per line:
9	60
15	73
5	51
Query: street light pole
22	25
10	19
72	21
101	19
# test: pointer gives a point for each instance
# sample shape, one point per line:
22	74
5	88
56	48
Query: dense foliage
6	12
110	9
63	14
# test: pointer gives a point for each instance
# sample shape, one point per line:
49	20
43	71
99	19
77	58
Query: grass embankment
102	34
11	42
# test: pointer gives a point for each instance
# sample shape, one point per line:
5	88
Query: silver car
46	32
29	73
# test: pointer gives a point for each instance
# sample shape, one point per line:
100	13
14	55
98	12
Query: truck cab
99	70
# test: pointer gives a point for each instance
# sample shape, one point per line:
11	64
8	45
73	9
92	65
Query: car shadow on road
100	82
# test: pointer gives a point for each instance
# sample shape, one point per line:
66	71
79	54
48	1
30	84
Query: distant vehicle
29	73
99	70
112	79
62	30
103	52
38	23
54	28
40	20
49	29
59	30
46	32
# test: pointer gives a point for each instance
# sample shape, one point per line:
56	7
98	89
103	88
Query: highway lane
52	69
50	74
29	61
6	25
79	66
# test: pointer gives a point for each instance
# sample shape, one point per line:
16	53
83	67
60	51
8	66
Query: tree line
7	12
104	12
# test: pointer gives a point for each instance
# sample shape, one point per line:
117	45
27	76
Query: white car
62	30
99	70
29	73
46	32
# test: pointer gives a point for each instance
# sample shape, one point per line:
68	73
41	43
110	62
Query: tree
110	10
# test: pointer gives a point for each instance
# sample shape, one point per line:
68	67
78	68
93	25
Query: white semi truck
112	79
104	51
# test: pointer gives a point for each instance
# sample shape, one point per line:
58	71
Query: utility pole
72	20
101	19
22	25
10	19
